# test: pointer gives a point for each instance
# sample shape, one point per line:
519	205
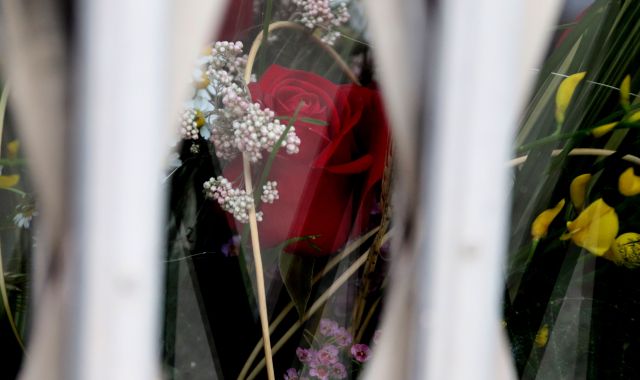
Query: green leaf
297	276
309	120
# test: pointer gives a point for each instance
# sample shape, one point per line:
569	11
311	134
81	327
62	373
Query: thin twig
578	152
253	225
367	319
314	308
372	260
292	25
257	257
589	81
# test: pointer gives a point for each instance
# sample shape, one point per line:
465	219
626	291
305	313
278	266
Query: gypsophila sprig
235	126
258	130
322	14
269	192
190	122
232	200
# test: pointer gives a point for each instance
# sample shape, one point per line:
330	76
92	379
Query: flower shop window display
279	199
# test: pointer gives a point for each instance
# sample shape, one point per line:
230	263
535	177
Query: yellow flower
541	223
578	190
634	117
8	181
629	183
625	89
565	92
625	250
542	337
12	149
199	119
595	228
603	129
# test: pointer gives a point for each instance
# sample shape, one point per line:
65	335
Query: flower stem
255	245
7	306
556	136
372	260
578	152
266	22
274	152
324	297
349	249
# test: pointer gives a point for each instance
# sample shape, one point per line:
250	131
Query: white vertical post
124	87
475	97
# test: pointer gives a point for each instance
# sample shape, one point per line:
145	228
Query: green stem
7	305
268	14
13	190
257	191
12	162
552	138
273	153
532	250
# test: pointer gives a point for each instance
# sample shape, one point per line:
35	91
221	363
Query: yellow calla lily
12	149
595	228
603	129
8	181
634	117
542	337
629	183
541	223
565	92
625	250
578	190
625	89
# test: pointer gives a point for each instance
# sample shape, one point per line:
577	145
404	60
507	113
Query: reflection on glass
279	189
571	301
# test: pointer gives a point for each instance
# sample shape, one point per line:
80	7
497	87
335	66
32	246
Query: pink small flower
338	371
328	354
360	352
343	337
328	327
291	374
305	355
321	372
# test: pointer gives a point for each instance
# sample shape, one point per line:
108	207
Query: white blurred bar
124	87
477	85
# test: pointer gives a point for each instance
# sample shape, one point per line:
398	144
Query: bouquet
279	201
571	282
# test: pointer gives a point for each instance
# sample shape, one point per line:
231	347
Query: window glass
279	188
571	308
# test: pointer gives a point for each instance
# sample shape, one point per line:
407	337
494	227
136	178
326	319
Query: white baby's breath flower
190	122
322	14
234	201
269	192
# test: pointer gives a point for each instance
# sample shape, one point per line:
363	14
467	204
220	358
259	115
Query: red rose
327	188
238	19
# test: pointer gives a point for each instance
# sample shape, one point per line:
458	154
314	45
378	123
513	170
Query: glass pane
18	212
571	298
279	187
